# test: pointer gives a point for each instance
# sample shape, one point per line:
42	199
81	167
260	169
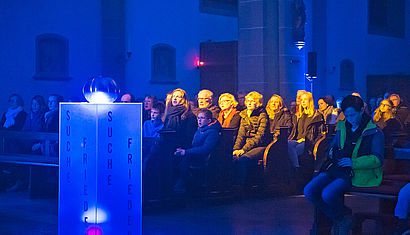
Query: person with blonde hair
252	137
179	117
229	116
307	130
278	115
182	125
384	118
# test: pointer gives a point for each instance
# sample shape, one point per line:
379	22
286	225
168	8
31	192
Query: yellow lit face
275	104
304	101
384	106
225	103
251	103
177	98
322	105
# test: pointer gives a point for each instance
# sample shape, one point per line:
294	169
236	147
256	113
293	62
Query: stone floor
282	216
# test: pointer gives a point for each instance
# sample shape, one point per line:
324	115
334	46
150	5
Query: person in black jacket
307	131
278	115
180	125
205	140
400	110
386	121
252	136
15	117
330	113
179	118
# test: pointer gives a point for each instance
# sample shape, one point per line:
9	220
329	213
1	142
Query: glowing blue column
100	169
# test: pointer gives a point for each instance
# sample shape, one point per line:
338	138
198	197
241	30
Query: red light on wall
199	63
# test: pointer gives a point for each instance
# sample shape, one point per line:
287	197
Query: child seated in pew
151	127
205	140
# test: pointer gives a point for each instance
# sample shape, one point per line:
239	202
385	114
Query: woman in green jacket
357	157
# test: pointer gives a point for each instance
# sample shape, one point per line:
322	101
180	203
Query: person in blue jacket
205	140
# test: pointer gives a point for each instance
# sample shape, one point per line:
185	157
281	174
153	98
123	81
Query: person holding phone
357	153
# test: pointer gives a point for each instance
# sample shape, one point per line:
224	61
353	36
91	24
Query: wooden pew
45	159
42	180
277	168
395	175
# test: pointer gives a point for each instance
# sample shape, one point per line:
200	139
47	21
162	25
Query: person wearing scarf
229	116
179	118
157	166
15	116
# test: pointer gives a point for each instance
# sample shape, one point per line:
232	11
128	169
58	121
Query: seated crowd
356	155
190	131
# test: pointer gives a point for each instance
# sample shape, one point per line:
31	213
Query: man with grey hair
205	99
400	110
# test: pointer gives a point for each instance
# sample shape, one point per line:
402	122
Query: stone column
291	59
268	61
258	46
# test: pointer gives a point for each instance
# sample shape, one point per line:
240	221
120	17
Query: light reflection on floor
282	216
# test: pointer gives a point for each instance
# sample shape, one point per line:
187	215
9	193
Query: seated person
402	210
252	136
385	120
151	127
35	122
15	116
179	117
149	101
357	158
51	117
157	165
278	115
330	114
229	116
205	140
400	110
205	101
306	131
241	100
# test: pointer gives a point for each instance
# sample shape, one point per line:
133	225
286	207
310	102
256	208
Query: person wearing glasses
205	140
400	110
385	119
229	115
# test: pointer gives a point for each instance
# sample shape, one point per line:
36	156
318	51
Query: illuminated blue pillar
100	169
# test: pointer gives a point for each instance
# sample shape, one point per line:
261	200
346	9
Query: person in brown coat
252	136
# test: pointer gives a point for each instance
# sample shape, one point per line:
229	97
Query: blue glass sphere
101	90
